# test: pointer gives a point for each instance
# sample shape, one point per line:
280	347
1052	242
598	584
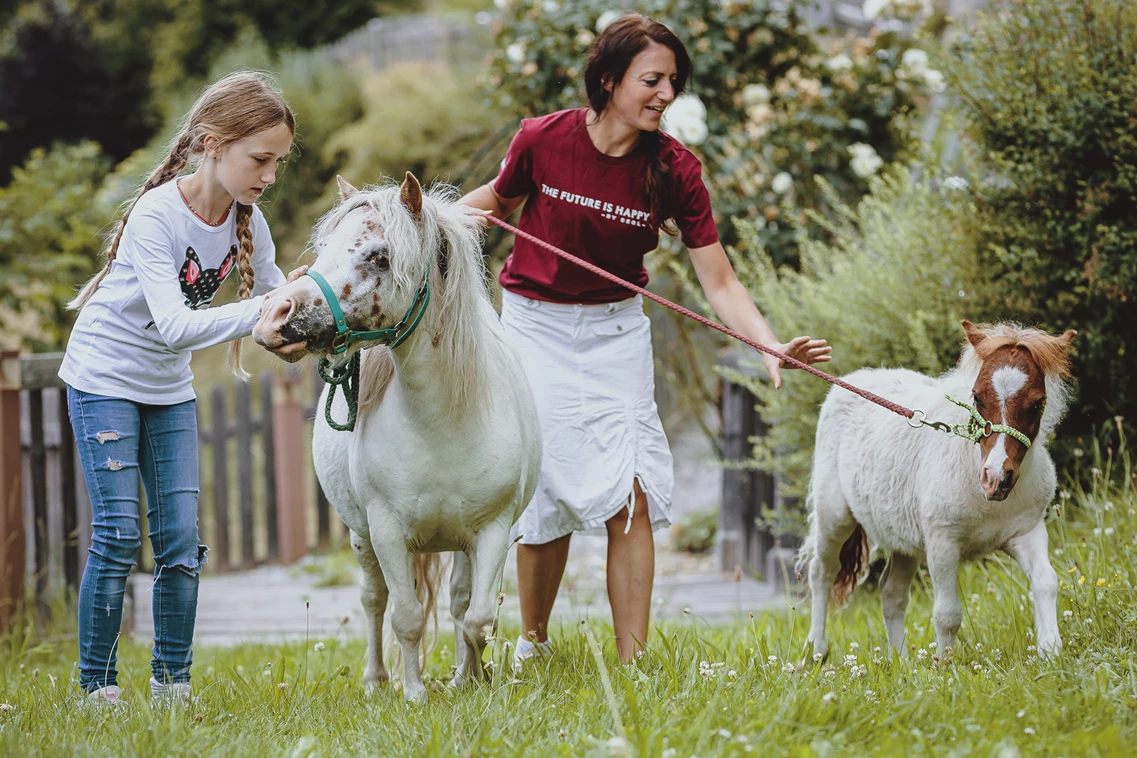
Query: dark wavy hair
608	61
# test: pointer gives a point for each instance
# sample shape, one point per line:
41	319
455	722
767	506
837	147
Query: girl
600	182
127	370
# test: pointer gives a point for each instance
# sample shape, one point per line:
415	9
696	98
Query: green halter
347	376
976	427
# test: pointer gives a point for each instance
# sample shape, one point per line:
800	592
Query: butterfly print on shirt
200	285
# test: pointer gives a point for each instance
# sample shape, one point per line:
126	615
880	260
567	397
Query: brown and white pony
921	495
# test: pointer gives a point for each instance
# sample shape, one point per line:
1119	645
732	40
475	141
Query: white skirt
593	378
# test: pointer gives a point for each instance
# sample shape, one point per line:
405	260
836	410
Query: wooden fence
258	489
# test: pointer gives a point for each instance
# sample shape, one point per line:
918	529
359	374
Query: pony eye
978	403
379	259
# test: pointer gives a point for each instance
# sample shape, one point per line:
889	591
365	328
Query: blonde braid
245	270
167	170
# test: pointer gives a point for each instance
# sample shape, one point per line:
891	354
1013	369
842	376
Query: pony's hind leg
373	594
461	584
832	526
894	586
407	619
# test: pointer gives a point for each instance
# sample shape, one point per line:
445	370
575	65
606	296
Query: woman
599	182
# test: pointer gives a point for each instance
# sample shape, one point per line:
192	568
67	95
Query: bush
695	533
889	291
51	216
1049	88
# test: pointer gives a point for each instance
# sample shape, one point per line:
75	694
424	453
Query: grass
701	690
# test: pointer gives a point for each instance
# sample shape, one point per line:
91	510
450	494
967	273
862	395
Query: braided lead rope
894	407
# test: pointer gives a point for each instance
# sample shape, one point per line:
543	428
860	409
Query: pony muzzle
997	483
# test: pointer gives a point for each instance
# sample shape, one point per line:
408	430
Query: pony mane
460	288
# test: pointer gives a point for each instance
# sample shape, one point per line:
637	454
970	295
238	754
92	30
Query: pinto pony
446	448
919	495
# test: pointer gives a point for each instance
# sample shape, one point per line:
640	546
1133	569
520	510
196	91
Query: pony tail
245	270
165	171
660	185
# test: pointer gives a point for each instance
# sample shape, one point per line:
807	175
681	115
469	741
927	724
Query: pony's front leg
894	586
947	612
1031	550
373	594
487	558
407	619
461	583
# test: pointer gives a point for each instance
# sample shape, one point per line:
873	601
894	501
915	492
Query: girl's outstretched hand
804	349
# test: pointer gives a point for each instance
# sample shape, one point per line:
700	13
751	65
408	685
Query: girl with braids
127	363
600	182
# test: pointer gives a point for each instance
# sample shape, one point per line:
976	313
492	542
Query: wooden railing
257	496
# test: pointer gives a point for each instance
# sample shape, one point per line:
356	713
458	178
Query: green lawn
701	690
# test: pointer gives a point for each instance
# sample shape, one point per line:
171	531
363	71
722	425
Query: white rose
606	18
839	64
584	38
551	6
934	79
755	94
873	8
782	183
865	161
914	61
691	132
515	52
687	107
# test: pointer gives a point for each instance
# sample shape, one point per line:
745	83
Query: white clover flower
788	668
865	161
839	64
772	659
686	120
755	94
1108	506
1067	614
1108	531
515	53
732	673
606	18
921	654
782	183
829	697
318	646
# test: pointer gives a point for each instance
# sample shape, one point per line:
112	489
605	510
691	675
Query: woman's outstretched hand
296	273
804	349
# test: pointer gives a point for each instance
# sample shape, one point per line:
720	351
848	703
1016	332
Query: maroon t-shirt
593	206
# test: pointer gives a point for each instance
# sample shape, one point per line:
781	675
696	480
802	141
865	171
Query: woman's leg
631	572
168	459
106	437
539	572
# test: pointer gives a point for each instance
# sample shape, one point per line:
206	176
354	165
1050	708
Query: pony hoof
415	696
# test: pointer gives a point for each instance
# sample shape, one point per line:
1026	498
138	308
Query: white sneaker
106	696
175	692
527	650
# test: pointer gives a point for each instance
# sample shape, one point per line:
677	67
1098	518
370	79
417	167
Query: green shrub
889	291
51	216
1049	89
695	532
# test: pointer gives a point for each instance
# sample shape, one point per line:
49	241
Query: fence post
245	474
288	454
219	436
11	493
269	472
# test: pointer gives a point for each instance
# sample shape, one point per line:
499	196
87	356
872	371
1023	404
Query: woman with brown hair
600	182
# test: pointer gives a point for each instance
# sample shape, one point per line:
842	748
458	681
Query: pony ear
1066	339
346	190
974	334
411	195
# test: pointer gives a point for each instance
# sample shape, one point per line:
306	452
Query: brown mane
1052	354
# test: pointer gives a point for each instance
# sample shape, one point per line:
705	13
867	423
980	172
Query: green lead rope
346	378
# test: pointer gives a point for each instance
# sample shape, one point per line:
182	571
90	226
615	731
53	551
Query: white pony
917	494
446	450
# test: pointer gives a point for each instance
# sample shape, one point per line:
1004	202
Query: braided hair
231	109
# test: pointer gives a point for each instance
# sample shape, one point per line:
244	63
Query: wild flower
1101	581
865	160
6	707
1068	614
282	686
788	668
829	697
318	646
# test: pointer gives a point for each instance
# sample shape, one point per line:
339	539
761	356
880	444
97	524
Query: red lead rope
895	408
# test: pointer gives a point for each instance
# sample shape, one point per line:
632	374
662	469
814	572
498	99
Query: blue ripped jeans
118	440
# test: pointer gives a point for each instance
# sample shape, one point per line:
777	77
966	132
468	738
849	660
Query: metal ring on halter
914	422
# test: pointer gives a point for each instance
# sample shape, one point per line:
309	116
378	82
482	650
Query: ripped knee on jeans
190	564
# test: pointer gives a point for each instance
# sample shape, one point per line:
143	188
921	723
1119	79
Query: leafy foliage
889	291
1049	88
51	215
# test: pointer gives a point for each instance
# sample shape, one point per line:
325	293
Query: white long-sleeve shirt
133	338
